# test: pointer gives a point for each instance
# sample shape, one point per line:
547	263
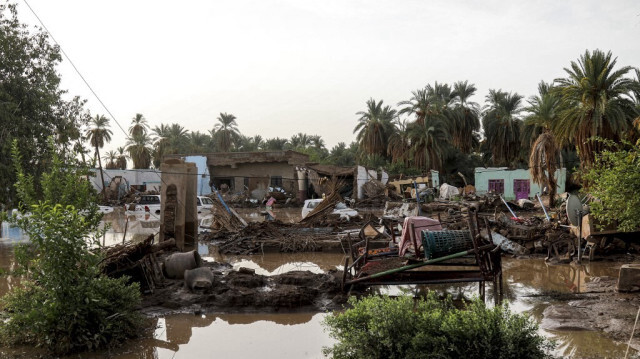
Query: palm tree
275	144
502	126
543	112
429	140
177	138
139	148
399	143
317	142
122	158
226	131
99	133
300	141
111	158
595	101
429	134
198	142
341	155
418	105
374	128
160	139
464	117
139	125
545	152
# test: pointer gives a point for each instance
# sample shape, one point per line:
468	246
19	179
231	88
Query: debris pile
274	235
138	261
324	208
224	217
246	289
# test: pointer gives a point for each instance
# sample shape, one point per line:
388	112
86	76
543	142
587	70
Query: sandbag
448	191
177	263
198	278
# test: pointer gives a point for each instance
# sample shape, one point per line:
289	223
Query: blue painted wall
203	187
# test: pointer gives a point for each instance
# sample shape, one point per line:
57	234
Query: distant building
254	172
512	184
140	180
352	177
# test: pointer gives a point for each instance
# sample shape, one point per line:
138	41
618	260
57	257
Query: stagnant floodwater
301	335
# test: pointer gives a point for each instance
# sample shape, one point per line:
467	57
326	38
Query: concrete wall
364	175
178	214
202	187
150	178
483	175
258	174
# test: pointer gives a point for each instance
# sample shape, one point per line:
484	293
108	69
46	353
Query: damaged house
512	184
253	172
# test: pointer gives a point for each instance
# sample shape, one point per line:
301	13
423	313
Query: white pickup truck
151	203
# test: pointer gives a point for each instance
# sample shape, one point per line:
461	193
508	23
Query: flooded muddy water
529	286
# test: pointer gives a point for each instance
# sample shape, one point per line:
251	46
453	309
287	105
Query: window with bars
276	181
496	186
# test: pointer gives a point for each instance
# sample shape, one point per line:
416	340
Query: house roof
330	170
233	158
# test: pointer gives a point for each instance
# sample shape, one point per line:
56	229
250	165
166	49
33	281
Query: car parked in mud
205	204
152	203
146	203
341	209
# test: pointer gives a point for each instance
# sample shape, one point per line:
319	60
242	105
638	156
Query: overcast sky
289	66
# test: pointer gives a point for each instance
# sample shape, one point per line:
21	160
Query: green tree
502	126
464	116
341	155
139	125
31	104
111	157
64	303
399	143
99	133
595	101
139	148
198	142
374	128
613	173
122	159
544	158
299	141
275	144
226	132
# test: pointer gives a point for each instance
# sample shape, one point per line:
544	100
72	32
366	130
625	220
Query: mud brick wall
178	213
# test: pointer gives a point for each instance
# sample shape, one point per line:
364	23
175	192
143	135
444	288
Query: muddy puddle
530	285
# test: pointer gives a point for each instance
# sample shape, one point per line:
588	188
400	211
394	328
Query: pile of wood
225	219
373	188
137	261
259	236
323	210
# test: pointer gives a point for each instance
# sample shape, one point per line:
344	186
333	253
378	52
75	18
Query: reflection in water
300	335
292	335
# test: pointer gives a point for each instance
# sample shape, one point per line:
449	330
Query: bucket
177	263
441	243
198	278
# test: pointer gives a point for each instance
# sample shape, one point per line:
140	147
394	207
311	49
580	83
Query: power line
75	68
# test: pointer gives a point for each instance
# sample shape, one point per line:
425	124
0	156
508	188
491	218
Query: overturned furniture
432	257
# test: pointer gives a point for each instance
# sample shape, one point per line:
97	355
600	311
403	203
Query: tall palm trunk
104	192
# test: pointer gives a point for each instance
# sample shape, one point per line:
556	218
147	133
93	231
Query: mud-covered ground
599	308
246	291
